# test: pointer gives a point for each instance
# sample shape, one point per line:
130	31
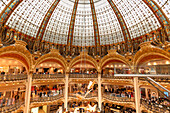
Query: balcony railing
155	107
91	95
46	99
48	76
119	99
10	108
13	77
83	76
111	76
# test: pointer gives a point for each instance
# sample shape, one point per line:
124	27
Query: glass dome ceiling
139	19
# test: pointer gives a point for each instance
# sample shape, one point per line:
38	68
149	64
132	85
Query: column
51	70
70	87
146	93
28	92
66	92
137	95
99	92
48	108
1	43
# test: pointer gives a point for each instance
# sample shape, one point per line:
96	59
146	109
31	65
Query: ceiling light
167	62
154	63
149	64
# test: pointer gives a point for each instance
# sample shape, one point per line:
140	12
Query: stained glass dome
112	20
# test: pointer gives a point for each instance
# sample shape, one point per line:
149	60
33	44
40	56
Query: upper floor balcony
8	108
48	76
11	77
83	75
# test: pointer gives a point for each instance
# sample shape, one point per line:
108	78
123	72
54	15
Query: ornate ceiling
86	22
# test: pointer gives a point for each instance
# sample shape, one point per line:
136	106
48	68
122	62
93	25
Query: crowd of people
113	108
82	107
120	92
12	72
83	89
159	102
46	91
12	99
84	71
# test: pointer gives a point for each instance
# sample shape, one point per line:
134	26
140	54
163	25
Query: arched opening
83	67
153	64
114	66
49	68
16	57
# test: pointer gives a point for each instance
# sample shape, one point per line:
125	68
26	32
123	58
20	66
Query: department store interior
84	56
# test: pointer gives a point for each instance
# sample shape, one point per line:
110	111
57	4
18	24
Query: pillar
146	93
51	70
137	95
70	87
45	109
66	92
48	108
1	43
99	92
28	92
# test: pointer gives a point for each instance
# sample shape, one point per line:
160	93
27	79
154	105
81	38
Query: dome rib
46	20
160	15
5	14
122	23
71	27
95	26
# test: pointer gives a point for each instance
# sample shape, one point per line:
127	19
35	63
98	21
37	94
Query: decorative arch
51	57
149	53
19	53
83	58
114	58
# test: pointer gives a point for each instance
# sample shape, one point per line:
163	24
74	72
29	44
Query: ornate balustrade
10	108
83	76
46	99
155	107
13	77
118	99
111	76
48	76
91	95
